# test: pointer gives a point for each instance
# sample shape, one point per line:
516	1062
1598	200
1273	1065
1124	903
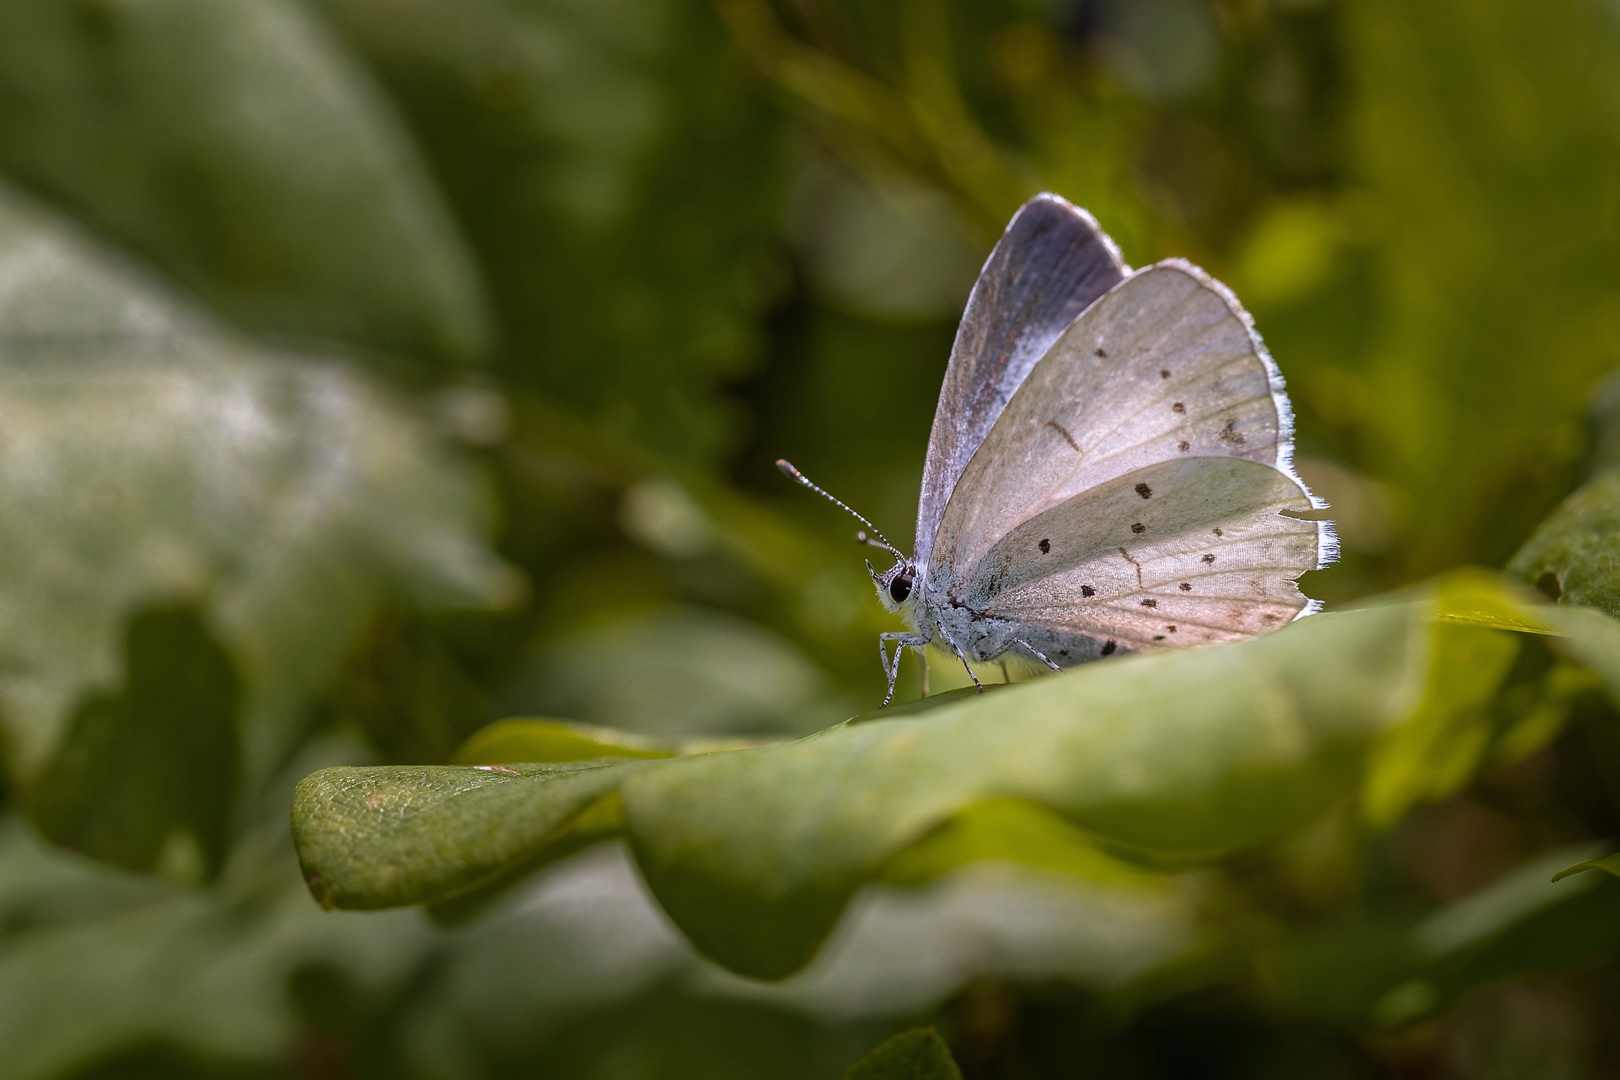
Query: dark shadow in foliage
155	761
160	1062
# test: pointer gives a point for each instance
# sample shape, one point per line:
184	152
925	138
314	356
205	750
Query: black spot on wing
1178	407
1144	491
1087	590
1184	446
1150	602
1186	586
1219	533
1209	558
1230	434
1108	649
1063	431
1045	546
1138	527
1098	350
1164	373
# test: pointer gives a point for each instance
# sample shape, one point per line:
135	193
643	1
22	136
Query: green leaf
161	757
1396	970
1609	863
1010	830
153	459
919	1054
233	144
380	837
98	961
1517	924
755	853
1589	638
1184	756
552	741
507	741
1573	556
1435	752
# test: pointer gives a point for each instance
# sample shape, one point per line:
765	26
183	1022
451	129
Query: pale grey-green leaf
235	145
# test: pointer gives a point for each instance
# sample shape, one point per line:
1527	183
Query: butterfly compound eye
900	587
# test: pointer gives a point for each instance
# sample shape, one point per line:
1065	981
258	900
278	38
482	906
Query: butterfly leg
1036	653
891	666
960	656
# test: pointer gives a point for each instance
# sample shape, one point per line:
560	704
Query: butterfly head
898	584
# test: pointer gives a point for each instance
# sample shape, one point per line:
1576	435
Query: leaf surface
235	145
1573	554
1172	758
919	1054
153	461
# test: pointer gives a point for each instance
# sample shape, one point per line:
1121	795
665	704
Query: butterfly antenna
882	541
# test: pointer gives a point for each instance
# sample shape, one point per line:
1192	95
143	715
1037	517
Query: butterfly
1110	467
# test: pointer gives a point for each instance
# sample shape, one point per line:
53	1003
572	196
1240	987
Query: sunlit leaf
553	741
1609	863
384	836
1436	751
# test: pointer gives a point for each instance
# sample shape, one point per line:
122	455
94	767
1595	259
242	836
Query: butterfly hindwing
1049	266
1207	556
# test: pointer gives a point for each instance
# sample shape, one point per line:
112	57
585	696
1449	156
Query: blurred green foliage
372	371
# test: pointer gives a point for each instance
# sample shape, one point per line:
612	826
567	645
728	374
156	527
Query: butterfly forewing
1208	556
1050	265
1164	368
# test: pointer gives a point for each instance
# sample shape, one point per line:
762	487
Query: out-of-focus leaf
1519	923
147	777
677	672
1589	638
1436	751
1575	554
1485	134
618	180
235	145
919	1054
151	459
98	961
1609	863
1392	971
